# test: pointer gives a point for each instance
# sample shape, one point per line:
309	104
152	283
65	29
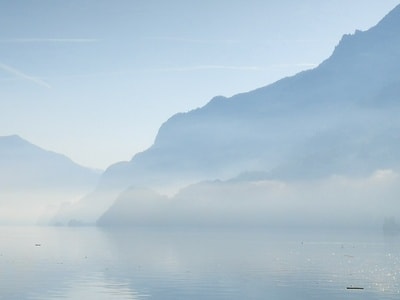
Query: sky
95	79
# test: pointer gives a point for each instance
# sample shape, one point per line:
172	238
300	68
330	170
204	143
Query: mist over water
92	263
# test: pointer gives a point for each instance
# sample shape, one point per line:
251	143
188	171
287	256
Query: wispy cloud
234	68
299	65
193	69
235	41
24	76
192	40
48	40
196	68
210	67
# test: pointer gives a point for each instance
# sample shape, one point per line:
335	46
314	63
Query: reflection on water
90	286
92	263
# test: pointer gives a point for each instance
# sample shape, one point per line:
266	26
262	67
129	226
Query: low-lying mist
34	207
333	202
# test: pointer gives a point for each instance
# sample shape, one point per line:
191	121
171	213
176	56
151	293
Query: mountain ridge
17	140
17	154
337	118
265	99
34	181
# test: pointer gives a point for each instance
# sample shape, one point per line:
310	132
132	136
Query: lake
96	263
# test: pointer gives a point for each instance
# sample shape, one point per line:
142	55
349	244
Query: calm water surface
93	263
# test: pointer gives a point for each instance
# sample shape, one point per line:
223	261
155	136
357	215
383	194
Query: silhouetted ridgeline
33	181
339	120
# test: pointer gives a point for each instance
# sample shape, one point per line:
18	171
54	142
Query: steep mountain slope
339	118
355	92
33	180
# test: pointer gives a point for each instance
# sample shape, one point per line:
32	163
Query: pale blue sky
95	79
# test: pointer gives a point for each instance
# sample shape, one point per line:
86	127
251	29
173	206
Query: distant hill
338	202
33	179
338	119
23	164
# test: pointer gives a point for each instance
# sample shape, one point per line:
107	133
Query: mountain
143	206
340	118
22	163
353	93
33	180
